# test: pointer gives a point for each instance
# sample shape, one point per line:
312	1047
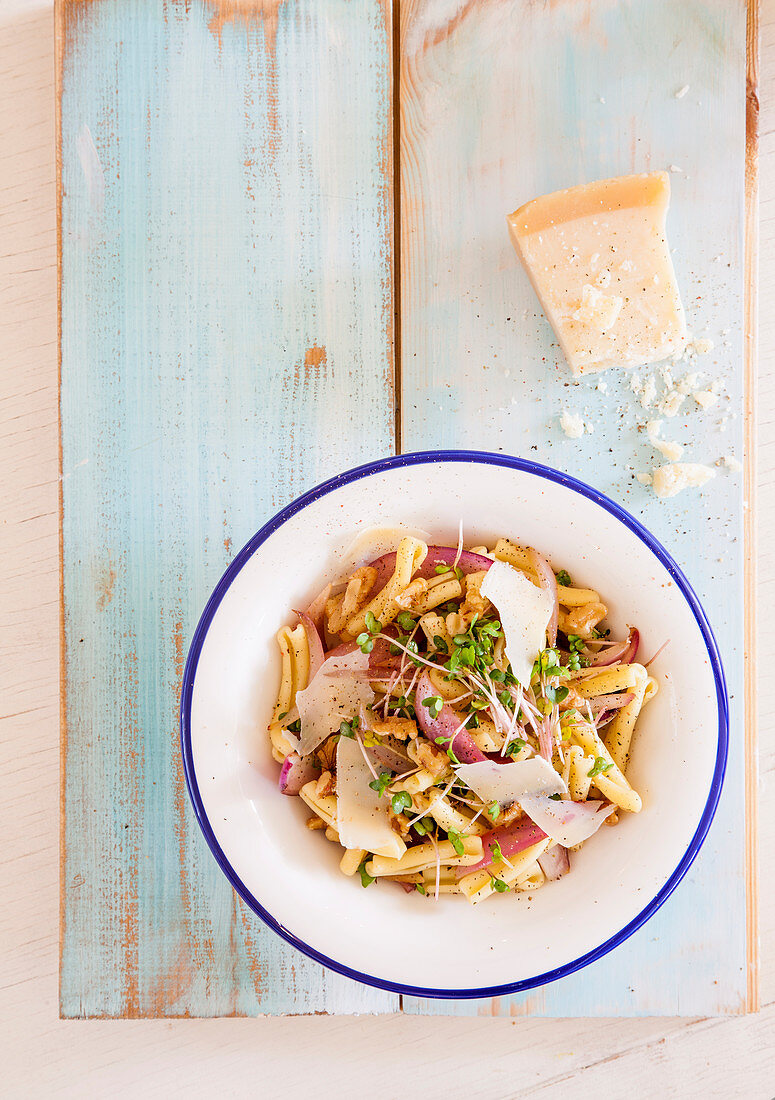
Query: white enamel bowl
380	935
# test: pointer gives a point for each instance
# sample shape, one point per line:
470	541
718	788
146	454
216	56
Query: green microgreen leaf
380	784
493	811
499	885
496	851
406	622
374	626
563	578
444	742
515	746
366	878
456	841
600	767
400	801
440	644
433	705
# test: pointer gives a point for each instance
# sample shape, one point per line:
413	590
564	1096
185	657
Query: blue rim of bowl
485	458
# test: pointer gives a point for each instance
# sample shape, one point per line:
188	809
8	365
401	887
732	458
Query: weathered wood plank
226	292
503	102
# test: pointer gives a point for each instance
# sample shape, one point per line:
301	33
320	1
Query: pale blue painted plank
504	102
226	291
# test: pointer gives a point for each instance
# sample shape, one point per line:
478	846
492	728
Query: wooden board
503	102
226	292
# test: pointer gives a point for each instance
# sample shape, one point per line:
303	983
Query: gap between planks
749	498
396	221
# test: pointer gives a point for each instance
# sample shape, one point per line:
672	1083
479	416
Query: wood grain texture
227	87
570	93
226	293
705	1059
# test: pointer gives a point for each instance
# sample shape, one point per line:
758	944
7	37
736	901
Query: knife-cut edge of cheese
361	815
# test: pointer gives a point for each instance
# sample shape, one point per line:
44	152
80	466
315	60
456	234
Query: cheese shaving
335	695
361	814
507	783
524	611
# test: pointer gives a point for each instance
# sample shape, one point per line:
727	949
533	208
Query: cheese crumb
649	392
688	383
670	450
644	479
706	399
598	310
732	463
670	480
671	403
693	348
682	91
603	279
602	387
571	424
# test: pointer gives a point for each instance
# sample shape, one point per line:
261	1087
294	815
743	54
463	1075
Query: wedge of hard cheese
598	258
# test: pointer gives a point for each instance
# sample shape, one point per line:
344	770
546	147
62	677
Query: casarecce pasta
458	721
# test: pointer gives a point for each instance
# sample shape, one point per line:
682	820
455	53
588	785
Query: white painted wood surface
272	1057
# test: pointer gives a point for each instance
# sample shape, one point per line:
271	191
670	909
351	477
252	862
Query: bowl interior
382	933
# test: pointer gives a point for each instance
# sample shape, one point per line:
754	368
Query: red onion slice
445	725
545	740
380	657
295	772
512	839
554	862
610	702
547	581
318	606
390	758
623	653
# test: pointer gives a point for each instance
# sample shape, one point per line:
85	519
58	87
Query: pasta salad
458	721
